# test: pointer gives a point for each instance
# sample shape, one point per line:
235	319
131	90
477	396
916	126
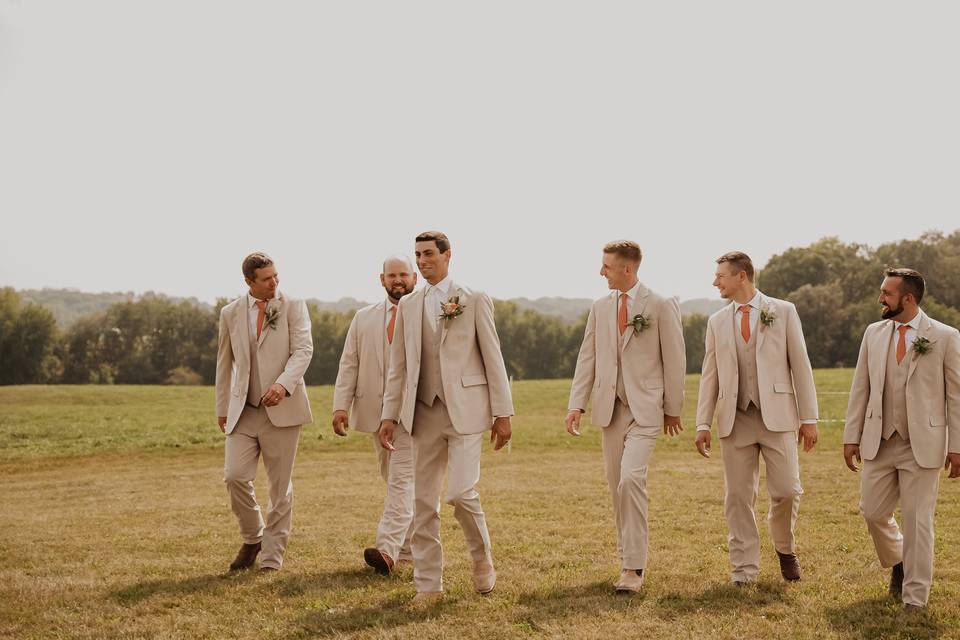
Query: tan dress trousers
894	476
627	448
396	524
439	448
255	436
741	452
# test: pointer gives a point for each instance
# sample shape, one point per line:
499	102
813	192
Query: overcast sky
151	145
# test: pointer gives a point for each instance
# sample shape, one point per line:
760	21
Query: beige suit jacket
933	393
363	368
784	375
475	382
283	355
654	361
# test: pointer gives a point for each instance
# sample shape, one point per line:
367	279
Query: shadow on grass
721	598
140	591
883	618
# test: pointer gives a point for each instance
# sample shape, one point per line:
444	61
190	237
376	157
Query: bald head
399	276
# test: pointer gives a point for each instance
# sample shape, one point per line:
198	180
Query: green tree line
156	340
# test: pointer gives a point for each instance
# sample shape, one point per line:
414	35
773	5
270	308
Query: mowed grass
116	525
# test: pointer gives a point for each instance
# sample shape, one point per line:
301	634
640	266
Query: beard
397	291
891	313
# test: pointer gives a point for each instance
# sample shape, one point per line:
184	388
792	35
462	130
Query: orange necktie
261	314
391	325
745	322
902	342
622	315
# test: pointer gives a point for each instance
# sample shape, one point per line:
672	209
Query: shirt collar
913	324
631	293
252	302
442	287
754	302
389	304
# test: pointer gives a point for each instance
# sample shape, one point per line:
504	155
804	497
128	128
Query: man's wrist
703	427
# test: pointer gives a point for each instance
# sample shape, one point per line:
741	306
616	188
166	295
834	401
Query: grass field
116	525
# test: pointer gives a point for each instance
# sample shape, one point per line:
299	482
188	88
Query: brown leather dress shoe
789	566
381	562
245	557
896	581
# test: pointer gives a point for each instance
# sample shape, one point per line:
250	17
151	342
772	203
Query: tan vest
895	394
621	389
431	383
748	387
254	389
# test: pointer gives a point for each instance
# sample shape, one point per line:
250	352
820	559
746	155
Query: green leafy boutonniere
767	316
922	346
270	317
451	308
639	323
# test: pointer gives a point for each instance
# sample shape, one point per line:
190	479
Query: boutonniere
639	323
451	308
767	315
922	346
270	317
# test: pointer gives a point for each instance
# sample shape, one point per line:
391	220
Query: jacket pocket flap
653	383
473	379
783	387
938	421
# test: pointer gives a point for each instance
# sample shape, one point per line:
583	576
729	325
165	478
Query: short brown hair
910	282
443	242
626	249
254	261
739	261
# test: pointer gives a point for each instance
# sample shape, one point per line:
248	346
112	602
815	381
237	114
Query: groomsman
633	362
447	385
903	423
264	349
757	376
360	384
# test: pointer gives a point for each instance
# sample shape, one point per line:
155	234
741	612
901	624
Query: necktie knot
745	308
903	329
262	305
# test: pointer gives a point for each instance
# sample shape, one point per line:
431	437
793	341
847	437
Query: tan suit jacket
475	382
654	361
933	393
363	369
784	375
283	355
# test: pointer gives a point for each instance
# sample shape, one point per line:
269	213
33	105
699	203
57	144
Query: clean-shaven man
447	386
360	385
632	360
757	377
903	425
264	349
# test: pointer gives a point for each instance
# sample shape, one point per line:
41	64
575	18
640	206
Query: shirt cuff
808	422
703	427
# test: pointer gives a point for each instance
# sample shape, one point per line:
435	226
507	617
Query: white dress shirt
252	315
913	327
434	296
387	311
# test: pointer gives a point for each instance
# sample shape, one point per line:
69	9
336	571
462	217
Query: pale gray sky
151	145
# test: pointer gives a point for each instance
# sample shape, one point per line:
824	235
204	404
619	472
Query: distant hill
69	305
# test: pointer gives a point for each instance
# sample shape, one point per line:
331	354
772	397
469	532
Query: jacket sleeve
709	380
498	384
800	369
224	376
951	381
674	356
859	396
393	392
301	346
585	372
345	387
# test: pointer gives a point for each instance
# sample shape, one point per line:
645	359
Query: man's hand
222	423
671	425
340	422
274	395
851	451
808	436
385	434
501	432
573	422
953	464
703	443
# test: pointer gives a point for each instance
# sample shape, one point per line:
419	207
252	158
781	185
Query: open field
117	526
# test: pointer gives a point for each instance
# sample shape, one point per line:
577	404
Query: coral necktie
745	322
261	314
902	342
622	315
391	325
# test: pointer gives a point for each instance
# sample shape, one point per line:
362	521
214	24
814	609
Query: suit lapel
639	306
922	332
413	326
241	316
761	328
879	346
380	318
452	291
727	335
277	303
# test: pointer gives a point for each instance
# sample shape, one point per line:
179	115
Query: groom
447	386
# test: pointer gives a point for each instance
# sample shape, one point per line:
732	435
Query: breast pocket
783	387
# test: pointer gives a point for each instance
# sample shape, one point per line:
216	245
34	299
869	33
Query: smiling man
903	424
633	362
264	349
447	386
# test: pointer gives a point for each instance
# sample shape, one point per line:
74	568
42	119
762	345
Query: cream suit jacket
654	361
784	375
475	382
283	355
362	374
933	393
